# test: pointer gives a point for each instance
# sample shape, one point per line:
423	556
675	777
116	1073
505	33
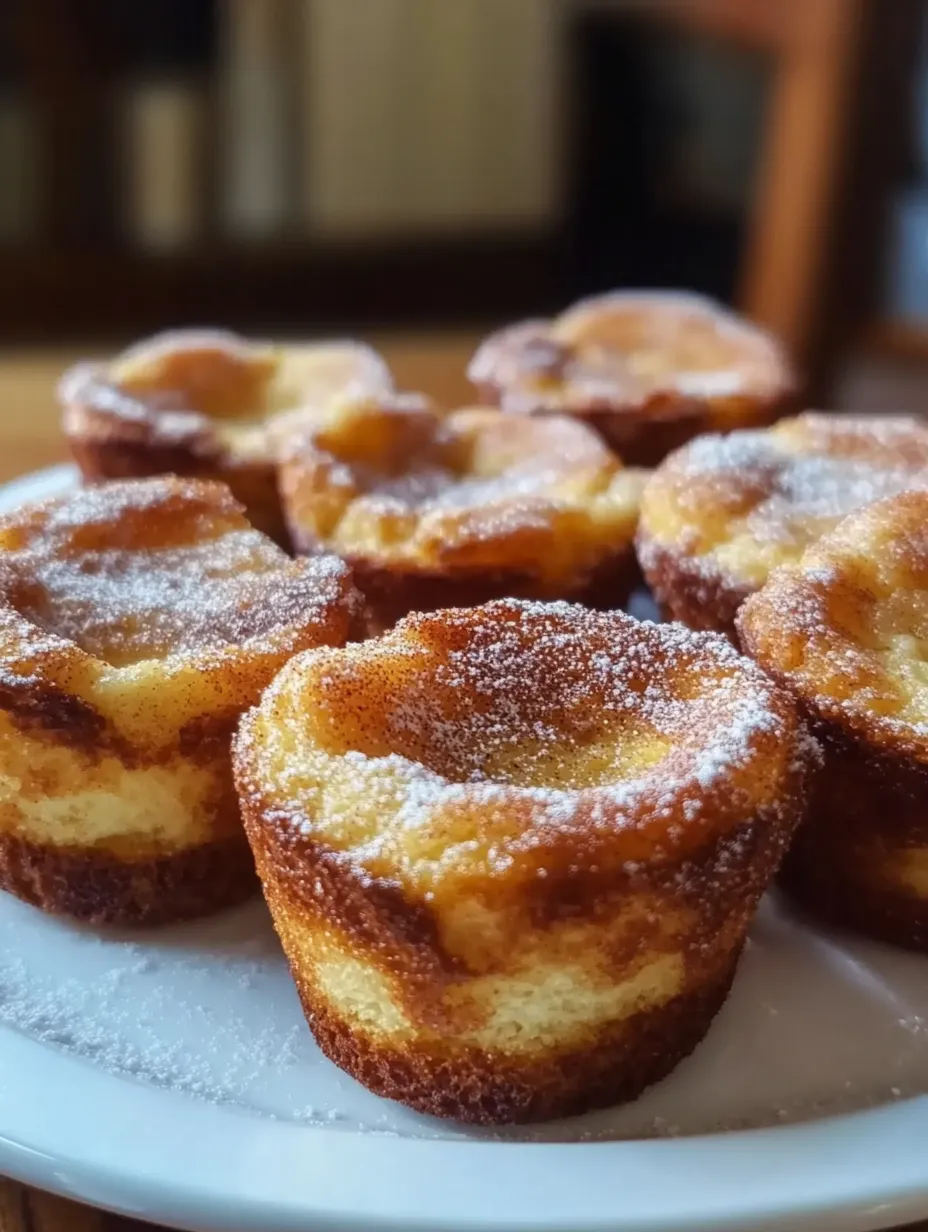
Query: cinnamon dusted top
394	482
631	352
164	568
736	506
846	627
520	741
211	390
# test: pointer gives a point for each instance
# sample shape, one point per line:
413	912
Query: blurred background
315	166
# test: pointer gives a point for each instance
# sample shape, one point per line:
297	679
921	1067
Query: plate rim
126	1146
859	1172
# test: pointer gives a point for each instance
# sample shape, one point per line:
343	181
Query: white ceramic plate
171	1076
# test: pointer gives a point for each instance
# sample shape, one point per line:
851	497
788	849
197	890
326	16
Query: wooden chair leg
800	168
879	128
838	137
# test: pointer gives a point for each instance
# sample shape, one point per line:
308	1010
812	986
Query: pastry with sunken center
512	852
723	511
137	621
453	510
845	629
648	370
207	404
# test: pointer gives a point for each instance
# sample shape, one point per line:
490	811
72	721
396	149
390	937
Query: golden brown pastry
452	510
209	404
648	370
512	852
846	630
723	511
137	621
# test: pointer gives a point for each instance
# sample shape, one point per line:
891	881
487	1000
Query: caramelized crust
718	515
137	621
100	888
512	852
648	370
453	510
207	404
846	629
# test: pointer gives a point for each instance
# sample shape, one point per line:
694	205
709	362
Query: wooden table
29	439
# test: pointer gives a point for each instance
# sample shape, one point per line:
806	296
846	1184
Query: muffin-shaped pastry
207	404
512	852
723	511
846	630
137	621
647	369
452	510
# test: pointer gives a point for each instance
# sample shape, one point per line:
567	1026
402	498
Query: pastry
846	629
512	852
648	370
137	621
208	404
451	510
723	511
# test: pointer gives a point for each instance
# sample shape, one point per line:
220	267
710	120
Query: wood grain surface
29	438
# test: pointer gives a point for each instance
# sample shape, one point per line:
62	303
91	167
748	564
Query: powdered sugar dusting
846	624
789	484
624	347
793	489
182	1017
384	481
153	568
573	717
87	395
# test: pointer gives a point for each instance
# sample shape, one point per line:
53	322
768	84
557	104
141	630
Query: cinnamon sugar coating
719	514
207	404
451	510
846	630
648	370
137	621
512	852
